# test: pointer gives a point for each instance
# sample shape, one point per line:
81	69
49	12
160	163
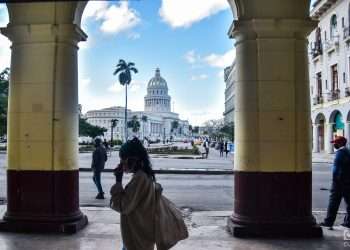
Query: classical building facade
157	121
229	77
329	69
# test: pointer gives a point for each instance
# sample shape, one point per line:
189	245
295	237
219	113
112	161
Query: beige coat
136	205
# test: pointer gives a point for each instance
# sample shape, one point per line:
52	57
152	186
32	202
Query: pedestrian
99	157
226	148
340	183
221	147
206	147
136	202
105	144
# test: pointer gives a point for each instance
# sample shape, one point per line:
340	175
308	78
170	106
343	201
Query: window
333	27
342	22
344	77
334	73
319	83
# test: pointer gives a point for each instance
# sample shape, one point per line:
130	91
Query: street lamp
113	125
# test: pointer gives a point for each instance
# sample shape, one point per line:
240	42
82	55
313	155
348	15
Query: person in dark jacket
99	157
340	183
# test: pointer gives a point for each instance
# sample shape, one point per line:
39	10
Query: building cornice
320	7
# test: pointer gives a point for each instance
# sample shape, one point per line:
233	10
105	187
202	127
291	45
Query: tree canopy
86	129
4	90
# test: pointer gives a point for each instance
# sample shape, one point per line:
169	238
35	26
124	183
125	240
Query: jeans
338	191
97	180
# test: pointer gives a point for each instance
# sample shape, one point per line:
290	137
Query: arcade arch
271	64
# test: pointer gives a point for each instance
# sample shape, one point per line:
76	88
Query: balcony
332	44
317	100
347	91
346	34
316	49
333	95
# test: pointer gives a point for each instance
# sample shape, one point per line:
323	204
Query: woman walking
136	202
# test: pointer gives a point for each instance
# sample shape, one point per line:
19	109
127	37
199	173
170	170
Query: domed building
157	98
157	121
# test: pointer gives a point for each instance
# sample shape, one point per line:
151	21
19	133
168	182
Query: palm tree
144	119
124	70
134	124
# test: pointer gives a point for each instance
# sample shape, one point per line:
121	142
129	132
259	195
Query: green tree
4	90
228	130
124	70
134	124
86	129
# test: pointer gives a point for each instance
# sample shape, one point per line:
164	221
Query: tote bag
170	227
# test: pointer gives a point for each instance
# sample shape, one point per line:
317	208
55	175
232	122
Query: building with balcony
329	69
229	77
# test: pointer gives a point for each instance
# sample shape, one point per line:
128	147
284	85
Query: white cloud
198	117
199	77
183	13
114	19
5	52
134	36
191	57
221	61
115	88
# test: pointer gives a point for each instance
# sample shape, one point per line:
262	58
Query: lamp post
113	124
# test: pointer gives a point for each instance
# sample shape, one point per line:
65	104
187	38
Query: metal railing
347	91
316	49
333	95
333	42
318	100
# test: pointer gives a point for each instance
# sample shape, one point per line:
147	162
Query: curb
177	171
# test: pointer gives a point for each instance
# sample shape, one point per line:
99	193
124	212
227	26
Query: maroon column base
28	226
273	205
43	201
273	231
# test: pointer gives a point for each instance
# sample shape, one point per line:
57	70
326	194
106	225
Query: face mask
336	146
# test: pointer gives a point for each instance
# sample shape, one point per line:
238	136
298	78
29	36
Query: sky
186	39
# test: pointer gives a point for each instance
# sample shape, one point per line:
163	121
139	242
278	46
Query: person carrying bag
170	227
147	218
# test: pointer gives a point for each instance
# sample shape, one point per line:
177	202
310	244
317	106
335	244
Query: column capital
38	33
271	28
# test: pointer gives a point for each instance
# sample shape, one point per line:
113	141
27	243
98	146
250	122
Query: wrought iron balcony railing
317	100
333	95
316	49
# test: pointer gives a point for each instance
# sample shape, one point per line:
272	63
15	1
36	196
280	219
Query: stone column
347	132
315	135
43	171
272	165
329	136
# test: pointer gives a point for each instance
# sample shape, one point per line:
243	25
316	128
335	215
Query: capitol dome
157	98
157	81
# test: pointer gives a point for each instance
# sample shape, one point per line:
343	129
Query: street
196	192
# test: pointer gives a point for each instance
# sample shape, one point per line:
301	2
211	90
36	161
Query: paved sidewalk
322	158
206	229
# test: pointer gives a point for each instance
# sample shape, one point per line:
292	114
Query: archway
271	65
337	123
320	132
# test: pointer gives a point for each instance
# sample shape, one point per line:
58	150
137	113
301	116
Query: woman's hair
134	148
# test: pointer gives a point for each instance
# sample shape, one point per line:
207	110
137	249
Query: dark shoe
100	196
345	225
324	224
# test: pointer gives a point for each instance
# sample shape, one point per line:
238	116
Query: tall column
315	135
43	174
329	136
347	132
272	165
